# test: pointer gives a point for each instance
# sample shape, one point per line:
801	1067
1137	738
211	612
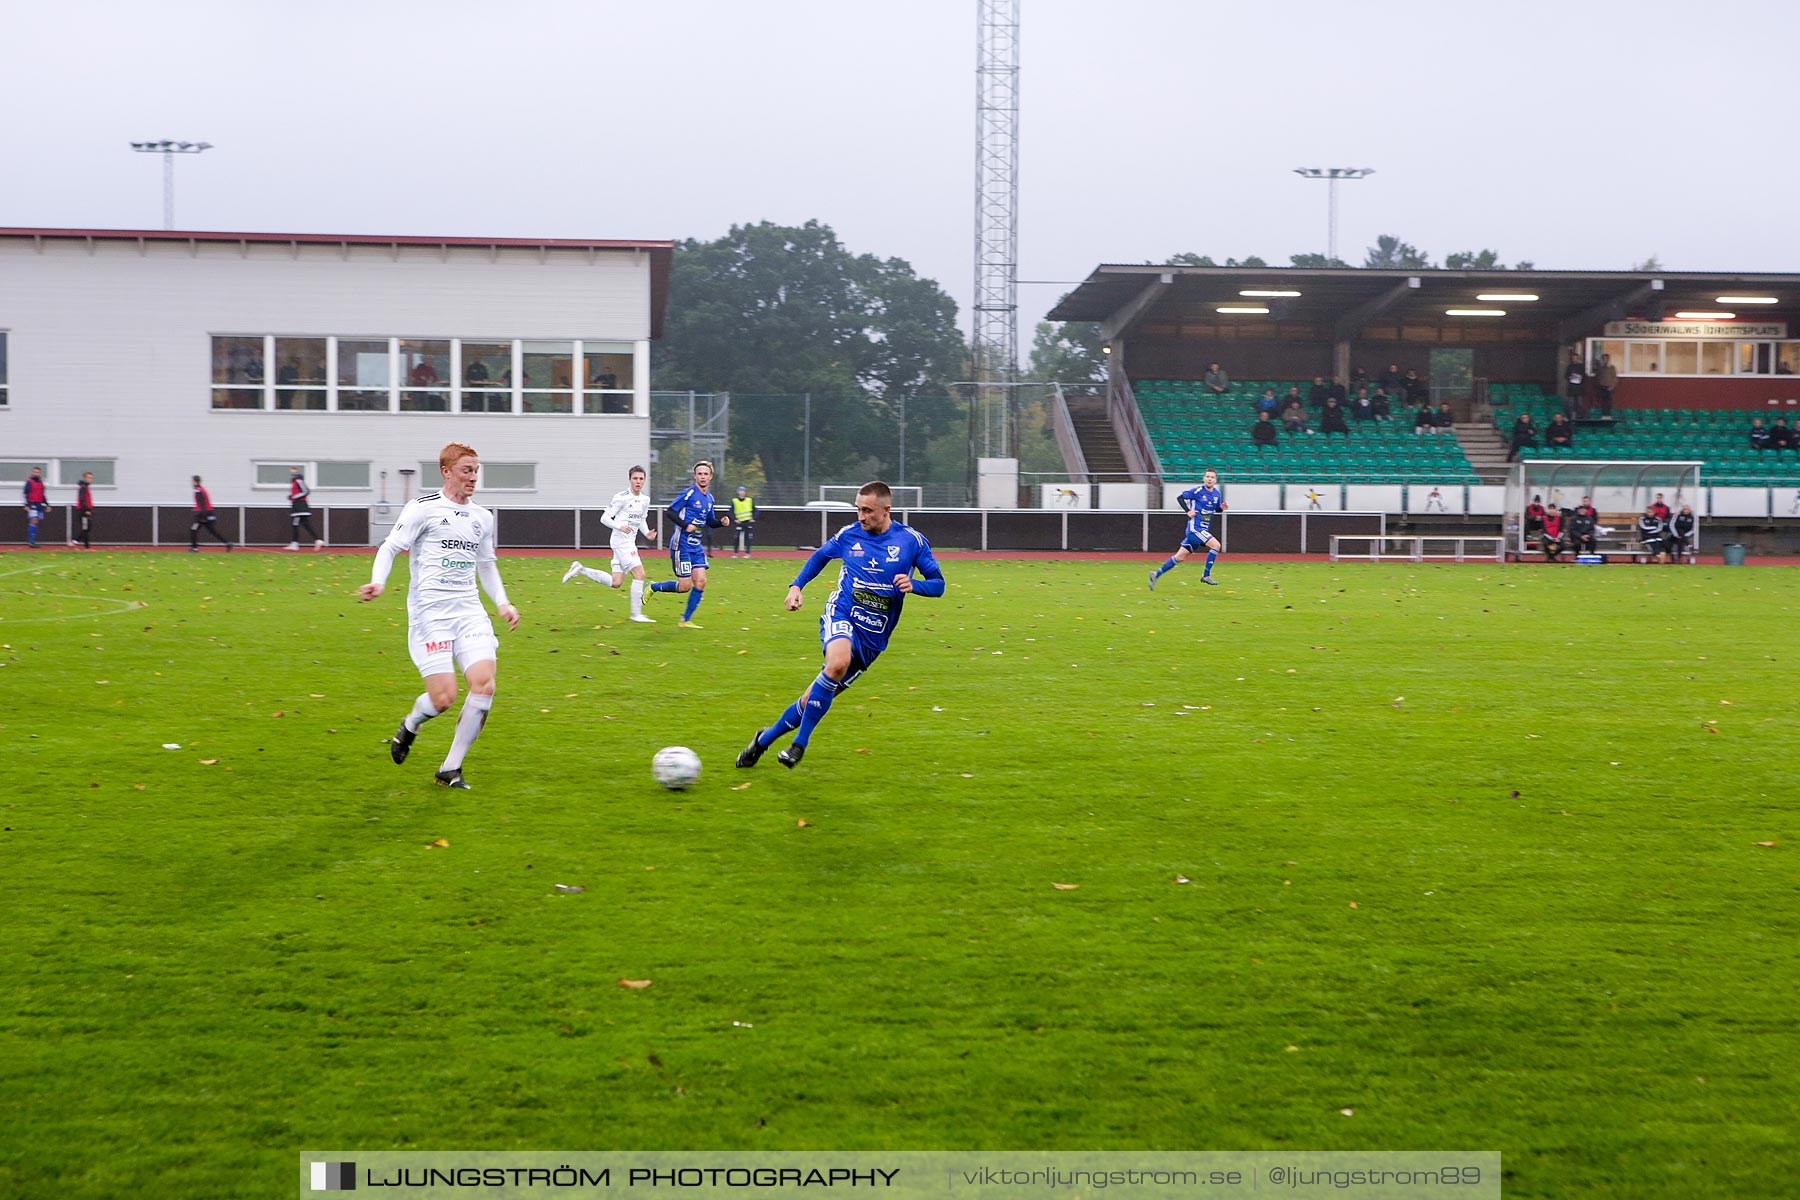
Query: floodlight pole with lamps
1331	175
169	149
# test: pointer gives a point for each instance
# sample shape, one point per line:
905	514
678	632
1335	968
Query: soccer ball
675	767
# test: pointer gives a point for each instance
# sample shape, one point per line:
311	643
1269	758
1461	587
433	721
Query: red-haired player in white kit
450	541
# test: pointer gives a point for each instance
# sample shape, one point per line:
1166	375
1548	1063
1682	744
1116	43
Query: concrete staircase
1093	429
1485	449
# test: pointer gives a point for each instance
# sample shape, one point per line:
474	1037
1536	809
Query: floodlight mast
1331	175
169	149
995	333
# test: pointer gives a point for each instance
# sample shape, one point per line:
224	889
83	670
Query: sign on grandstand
1697	329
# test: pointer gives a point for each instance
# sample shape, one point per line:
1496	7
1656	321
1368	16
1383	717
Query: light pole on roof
1331	175
169	149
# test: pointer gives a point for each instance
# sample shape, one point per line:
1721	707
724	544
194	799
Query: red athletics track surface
597	554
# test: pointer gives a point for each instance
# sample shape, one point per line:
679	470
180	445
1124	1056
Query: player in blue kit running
879	557
1201	503
689	515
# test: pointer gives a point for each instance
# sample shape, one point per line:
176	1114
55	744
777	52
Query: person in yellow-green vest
743	517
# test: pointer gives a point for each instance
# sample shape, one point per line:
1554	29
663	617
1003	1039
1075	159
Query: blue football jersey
866	596
692	507
1202	503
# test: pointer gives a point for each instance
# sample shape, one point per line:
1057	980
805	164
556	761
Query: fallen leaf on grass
862	749
1353	904
739	787
1293	1049
1348	1112
278	714
440	843
1065	887
1182	879
572	889
171	745
137	787
634	984
1768	843
317	695
802	823
207	762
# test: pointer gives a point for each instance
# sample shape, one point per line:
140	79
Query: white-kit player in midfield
626	516
450	541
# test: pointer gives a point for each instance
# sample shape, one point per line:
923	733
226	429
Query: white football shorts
463	638
625	558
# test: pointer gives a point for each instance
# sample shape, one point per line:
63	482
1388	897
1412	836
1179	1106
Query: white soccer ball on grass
675	767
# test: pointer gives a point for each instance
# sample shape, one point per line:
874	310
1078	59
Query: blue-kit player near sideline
689	516
1201	503
878	557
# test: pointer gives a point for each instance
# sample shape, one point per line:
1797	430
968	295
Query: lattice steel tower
995	334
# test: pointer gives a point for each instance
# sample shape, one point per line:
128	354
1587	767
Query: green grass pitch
1474	853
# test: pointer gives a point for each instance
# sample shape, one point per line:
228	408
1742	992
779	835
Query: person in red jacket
203	515
301	512
1552	537
37	505
84	508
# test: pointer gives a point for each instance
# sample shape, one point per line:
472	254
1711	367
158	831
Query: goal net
909	496
1620	491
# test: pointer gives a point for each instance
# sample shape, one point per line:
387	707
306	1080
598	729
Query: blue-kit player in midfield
1201	503
878	557
689	516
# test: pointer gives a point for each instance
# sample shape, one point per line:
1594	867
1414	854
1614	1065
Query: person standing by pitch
84	511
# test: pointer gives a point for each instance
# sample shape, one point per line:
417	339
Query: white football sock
637	597
422	711
596	576
468	727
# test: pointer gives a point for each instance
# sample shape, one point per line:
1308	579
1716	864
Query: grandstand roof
660	251
1587	299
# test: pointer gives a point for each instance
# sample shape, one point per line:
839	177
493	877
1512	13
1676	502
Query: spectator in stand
1364	408
1584	525
1424	421
1337	392
1681	535
1415	387
1524	436
1575	375
1317	394
1392	378
1534	517
1560	433
1660	509
1333	421
1293	418
1550	538
1268	403
1292	397
1781	437
1358	378
1263	433
1444	419
1759	437
1381	405
1652	530
1606	378
1218	382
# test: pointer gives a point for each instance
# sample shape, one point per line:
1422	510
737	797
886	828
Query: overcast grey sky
1574	134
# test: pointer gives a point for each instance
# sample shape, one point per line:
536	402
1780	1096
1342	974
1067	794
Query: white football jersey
627	509
445	543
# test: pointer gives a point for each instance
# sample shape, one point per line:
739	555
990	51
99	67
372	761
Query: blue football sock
664	585
1168	565
31	535
1212	556
694	598
789	719
817	703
